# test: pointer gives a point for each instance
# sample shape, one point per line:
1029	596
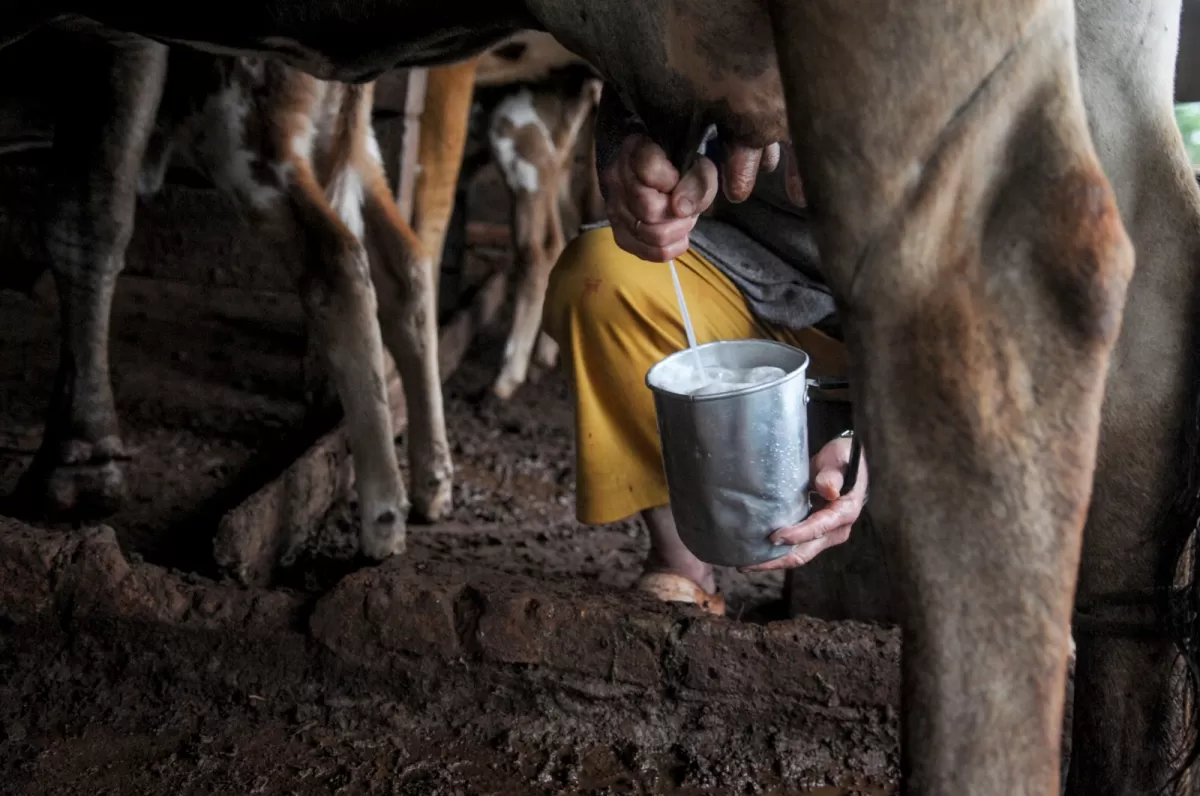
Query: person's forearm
614	123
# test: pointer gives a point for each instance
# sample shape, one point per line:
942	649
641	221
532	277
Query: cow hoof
546	353
72	491
383	533
505	387
436	503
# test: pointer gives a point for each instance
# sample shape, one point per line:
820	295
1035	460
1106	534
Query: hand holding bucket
828	525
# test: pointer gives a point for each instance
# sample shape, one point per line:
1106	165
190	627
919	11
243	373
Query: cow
532	136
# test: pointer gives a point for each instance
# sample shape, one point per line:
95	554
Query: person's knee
582	287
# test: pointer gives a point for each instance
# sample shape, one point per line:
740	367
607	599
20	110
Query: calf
539	98
532	136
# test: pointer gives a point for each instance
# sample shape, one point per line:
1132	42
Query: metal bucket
737	463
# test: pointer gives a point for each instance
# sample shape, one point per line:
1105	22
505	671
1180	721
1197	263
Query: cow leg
155	162
1126	735
533	217
980	265
404	278
101	134
580	125
546	353
443	138
339	300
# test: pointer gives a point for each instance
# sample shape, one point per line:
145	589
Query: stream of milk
687	321
688	376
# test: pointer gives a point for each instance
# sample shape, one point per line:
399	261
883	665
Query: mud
501	654
155	681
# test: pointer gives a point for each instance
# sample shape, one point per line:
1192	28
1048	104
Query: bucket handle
852	468
855	445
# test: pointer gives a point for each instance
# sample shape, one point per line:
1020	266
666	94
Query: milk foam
682	378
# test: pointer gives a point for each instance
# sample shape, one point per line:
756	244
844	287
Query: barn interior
219	632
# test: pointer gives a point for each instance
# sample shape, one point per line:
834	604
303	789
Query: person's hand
829	525
652	208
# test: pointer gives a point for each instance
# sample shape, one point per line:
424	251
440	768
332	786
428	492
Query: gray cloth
766	248
775	291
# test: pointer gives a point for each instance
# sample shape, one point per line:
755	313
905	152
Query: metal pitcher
737	463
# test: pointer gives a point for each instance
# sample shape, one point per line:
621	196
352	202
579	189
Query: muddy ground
136	700
206	377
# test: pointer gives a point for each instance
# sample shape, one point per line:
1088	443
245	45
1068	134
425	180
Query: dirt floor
204	378
208	385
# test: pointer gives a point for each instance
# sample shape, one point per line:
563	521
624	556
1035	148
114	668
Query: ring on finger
637	223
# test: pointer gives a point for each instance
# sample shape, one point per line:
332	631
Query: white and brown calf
299	157
532	136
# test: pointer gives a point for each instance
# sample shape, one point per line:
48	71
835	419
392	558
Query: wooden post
399	103
414	104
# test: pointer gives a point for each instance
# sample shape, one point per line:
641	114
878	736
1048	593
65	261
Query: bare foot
671	588
671	573
669	554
